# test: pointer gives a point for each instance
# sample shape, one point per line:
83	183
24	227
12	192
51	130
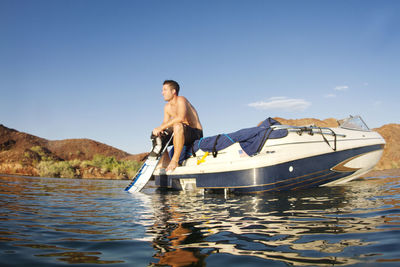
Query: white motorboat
281	157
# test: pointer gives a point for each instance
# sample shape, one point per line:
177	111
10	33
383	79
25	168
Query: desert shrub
123	168
75	163
106	164
67	169
85	164
41	152
31	158
38	150
61	169
131	167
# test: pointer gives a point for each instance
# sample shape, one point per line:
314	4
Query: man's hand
157	131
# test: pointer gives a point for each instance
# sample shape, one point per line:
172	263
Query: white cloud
330	96
341	88
282	103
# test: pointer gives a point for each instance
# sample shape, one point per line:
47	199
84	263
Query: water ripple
50	222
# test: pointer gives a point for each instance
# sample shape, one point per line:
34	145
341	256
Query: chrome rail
311	130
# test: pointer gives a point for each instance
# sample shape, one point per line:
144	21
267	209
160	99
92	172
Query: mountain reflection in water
49	222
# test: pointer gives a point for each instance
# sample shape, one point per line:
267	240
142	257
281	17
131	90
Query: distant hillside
391	154
308	121
19	152
14	143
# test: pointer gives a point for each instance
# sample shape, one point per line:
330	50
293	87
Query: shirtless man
180	117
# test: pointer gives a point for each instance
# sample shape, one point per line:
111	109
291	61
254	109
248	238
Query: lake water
58	222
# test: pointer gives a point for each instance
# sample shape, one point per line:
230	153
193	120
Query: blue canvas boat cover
251	140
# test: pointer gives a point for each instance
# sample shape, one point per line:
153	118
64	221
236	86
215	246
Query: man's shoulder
179	101
182	98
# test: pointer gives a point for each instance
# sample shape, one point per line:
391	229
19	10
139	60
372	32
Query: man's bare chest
172	110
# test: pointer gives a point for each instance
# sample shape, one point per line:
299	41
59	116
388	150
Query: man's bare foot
172	165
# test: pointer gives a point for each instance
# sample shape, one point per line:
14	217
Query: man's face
168	92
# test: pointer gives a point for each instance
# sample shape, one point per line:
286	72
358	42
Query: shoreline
75	178
372	173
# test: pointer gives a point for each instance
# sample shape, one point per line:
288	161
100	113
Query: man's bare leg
179	140
164	161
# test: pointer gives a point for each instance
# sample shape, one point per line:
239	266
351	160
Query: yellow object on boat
203	159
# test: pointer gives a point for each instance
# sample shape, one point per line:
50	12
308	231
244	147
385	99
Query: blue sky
94	69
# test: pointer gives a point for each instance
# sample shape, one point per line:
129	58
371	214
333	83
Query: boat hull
325	169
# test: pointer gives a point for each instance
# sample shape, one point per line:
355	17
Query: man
180	117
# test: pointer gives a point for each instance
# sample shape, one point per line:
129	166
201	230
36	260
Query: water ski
160	144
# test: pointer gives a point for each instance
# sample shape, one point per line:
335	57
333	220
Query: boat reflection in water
323	226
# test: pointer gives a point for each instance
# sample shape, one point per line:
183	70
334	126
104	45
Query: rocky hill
20	152
391	154
308	121
14	143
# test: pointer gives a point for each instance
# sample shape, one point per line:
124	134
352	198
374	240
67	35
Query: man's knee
178	128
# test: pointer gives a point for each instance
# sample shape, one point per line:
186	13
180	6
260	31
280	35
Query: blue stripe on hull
306	173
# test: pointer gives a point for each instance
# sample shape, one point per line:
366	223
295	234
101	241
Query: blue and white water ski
160	144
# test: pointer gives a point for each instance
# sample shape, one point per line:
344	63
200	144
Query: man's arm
169	121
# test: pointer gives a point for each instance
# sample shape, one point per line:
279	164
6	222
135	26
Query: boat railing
311	130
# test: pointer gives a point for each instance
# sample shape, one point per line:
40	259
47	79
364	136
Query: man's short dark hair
173	84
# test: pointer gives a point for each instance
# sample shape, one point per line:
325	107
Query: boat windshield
355	123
